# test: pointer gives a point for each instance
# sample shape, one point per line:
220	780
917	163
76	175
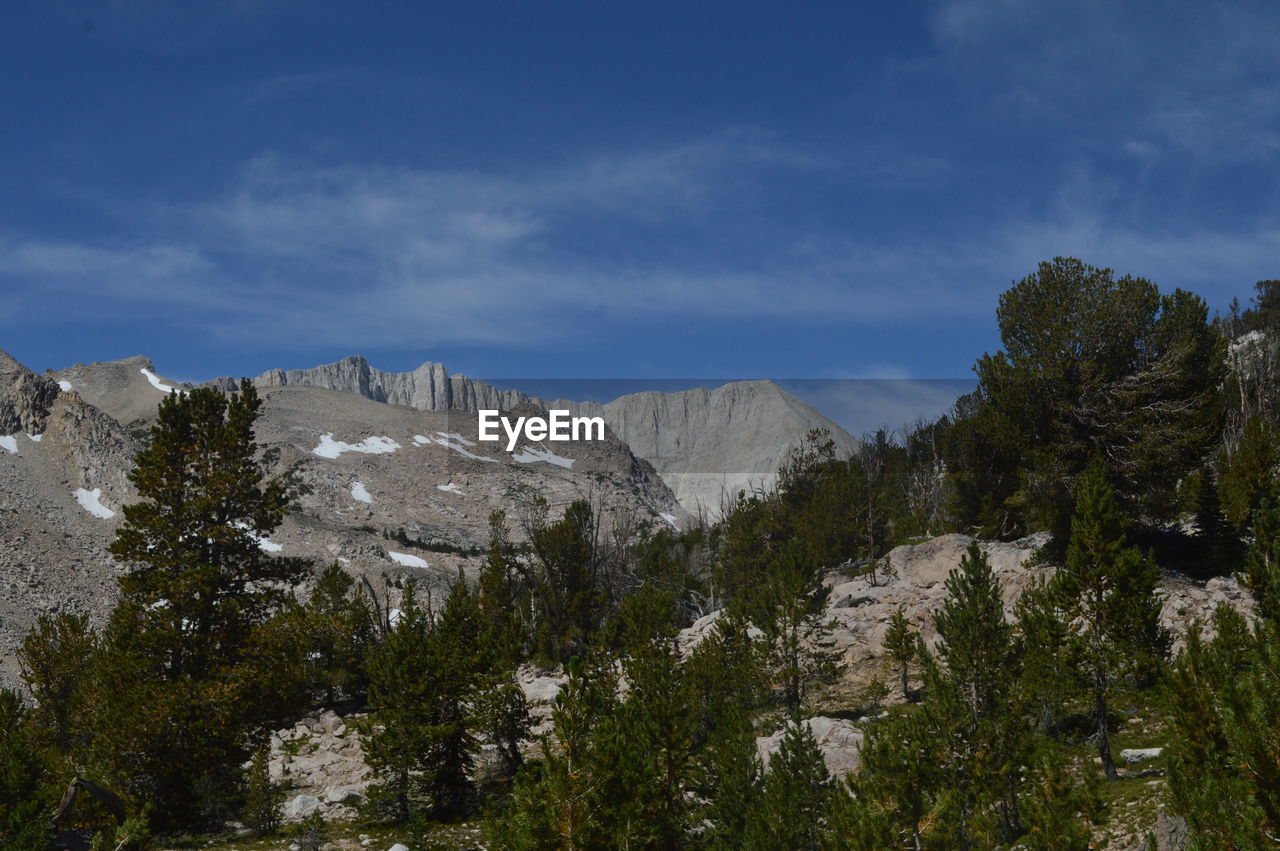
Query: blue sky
613	189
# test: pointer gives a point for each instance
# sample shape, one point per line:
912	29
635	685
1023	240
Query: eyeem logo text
557	425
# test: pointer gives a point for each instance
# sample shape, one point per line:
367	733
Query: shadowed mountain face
706	444
387	489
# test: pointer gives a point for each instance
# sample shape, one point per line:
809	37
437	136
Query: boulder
301	806
1132	755
839	741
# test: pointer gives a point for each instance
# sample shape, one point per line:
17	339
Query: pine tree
340	631
560	801
660	730
1215	537
454	668
970	704
400	704
1048	677
793	803
1248	472
727	778
1058	810
57	659
1262	564
263	796
900	644
1110	589
796	627
891	800
178	696
1224	775
24	811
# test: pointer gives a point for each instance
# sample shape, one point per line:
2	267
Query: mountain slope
706	444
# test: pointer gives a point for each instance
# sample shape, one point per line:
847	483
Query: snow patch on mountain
461	450
359	492
155	382
36	438
533	454
8	442
65	386
91	501
450	488
407	560
330	448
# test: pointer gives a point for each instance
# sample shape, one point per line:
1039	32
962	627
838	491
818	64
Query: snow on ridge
670	518
36	438
407	560
156	382
267	546
358	491
533	454
330	448
450	488
456	447
91	501
64	385
9	442
454	436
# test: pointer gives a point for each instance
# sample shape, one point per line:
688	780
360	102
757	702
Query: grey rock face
25	398
430	387
706	444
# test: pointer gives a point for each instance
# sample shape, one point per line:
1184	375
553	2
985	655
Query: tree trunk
1104	731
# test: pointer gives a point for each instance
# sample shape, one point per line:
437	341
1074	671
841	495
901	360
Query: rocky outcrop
839	741
25	398
430	387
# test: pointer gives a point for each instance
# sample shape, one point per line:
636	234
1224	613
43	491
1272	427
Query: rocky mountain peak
25	398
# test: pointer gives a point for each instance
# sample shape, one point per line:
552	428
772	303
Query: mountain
706	444
388	490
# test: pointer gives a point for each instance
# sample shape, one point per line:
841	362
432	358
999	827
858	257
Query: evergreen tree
566	581
341	629
1216	539
400	704
796	628
1110	592
1091	363
727	779
58	659
1048	678
452	673
792	806
900	645
178	697
1224	773
891	801
659	730
1262	564
561	801
1058	810
263	796
971	704
422	746
1248	472
24	824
